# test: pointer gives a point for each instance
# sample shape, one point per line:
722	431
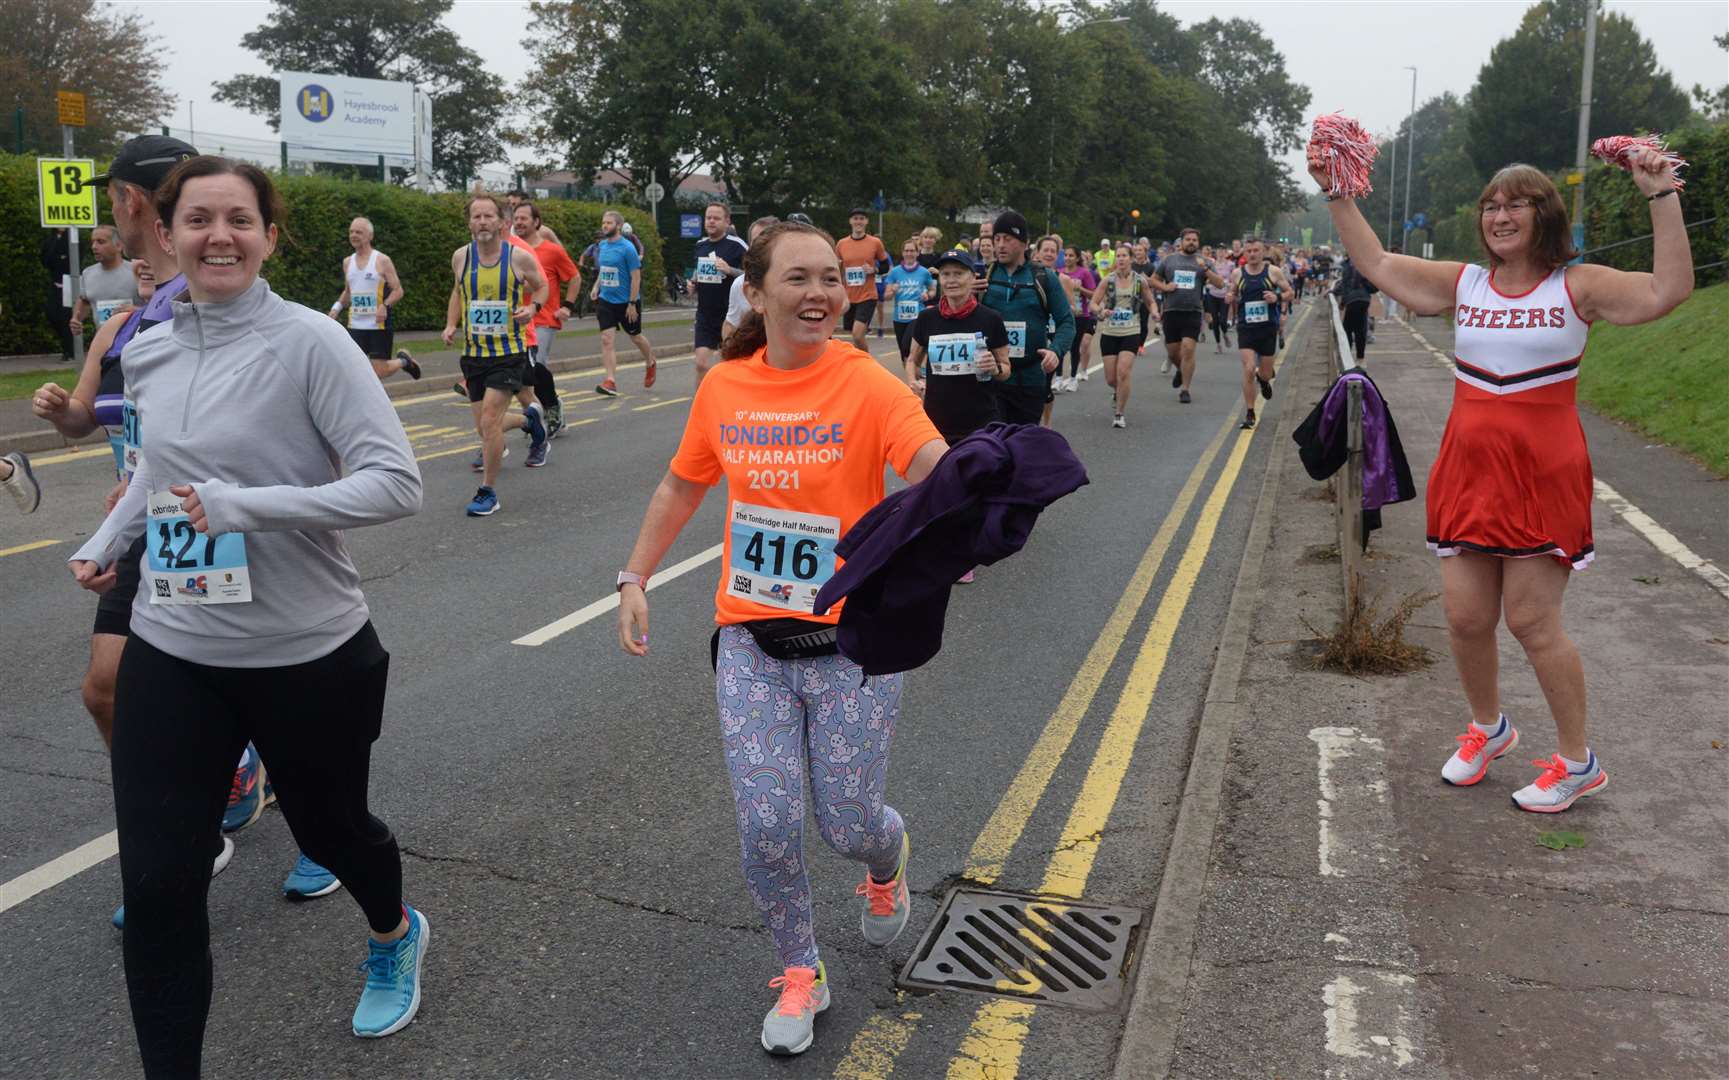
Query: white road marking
1332	745
52	873
1382	1002
1664	540
607	603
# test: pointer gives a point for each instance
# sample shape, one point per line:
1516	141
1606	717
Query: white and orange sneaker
1477	748
1559	787
886	902
790	1027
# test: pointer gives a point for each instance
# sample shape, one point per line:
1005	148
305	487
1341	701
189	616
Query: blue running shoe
485	502
308	880
246	794
537	455
534	425
392	994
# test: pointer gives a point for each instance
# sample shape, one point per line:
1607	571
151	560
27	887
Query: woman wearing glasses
1509	497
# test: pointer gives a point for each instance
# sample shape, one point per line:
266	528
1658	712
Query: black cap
858	211
146	160
957	256
1012	224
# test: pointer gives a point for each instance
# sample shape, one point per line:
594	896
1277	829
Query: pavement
1361	919
1122	714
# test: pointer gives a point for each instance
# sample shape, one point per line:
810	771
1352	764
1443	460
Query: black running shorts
483	373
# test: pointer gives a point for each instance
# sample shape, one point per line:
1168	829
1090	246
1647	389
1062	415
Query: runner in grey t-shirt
1181	276
107	285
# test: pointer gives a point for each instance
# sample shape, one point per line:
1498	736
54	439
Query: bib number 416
768	555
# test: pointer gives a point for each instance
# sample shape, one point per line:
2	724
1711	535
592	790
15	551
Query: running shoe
1281	341
1558	788
1119	421
651	372
607	387
245	794
217	865
308	880
790	1027
1165	367
408	363
554	420
392	994
1266	386
536	455
1085	375
1477	748
26	492
485	502
460	389
478	461
1184	397
1177	379
886	903
1248	420
534	425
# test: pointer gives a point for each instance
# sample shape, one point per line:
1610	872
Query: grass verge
1665	379
21	384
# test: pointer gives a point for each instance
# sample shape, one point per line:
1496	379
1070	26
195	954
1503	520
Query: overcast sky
1351	55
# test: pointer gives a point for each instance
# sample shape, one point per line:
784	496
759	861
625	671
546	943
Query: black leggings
1216	312
178	729
1356	320
545	390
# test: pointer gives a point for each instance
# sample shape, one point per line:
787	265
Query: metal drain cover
1026	947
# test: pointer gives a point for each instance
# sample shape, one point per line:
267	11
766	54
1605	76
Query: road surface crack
103	781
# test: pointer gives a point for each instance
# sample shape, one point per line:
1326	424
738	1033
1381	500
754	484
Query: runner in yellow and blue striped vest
498	288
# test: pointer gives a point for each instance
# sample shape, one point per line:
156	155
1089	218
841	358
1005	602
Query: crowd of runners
219	690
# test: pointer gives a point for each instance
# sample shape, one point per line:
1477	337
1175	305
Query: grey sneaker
886	906
790	1027
1558	788
478	461
26	492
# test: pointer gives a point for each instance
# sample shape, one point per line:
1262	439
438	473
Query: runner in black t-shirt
719	259
954	344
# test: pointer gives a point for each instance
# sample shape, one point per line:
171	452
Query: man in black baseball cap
146	161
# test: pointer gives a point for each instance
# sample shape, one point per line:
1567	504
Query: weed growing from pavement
1365	643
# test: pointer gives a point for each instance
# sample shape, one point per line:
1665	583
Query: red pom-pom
1344	152
1616	151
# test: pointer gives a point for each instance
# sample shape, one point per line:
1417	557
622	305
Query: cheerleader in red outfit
1509	498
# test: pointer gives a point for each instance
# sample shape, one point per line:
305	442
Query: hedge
417	230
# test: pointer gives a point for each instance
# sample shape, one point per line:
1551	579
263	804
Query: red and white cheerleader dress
1514	475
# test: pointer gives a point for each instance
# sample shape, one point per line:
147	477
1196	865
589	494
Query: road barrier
1348	481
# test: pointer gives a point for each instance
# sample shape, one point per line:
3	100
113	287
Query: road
564	819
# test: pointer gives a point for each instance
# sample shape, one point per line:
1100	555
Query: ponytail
750	335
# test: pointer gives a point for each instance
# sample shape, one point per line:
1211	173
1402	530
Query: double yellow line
991	1049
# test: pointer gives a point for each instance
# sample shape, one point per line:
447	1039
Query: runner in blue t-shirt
906	289
617	294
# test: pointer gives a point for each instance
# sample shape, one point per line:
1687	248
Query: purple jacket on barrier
976	507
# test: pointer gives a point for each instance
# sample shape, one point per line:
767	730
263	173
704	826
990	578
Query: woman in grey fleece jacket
250	624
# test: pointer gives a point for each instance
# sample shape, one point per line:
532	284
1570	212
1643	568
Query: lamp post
1410	155
1051	146
1583	145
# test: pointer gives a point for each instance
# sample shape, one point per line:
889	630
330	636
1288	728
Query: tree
1524	105
1714	103
398	40
56	45
1248	73
1445	176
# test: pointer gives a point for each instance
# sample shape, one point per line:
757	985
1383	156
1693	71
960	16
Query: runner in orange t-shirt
862	257
800	426
558	270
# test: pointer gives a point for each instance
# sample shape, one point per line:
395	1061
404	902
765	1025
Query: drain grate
1026	947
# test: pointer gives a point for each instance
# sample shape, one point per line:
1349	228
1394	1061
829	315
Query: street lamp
1410	153
1051	148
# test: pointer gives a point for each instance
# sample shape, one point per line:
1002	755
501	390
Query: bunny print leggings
782	719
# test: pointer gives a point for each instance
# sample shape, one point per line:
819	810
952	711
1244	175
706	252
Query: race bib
609	278
489	318
188	567
1183	279
855	276
707	273
105	310
130	441
954	354
1255	311
1017	339
781	557
1121	321
363	304
906	310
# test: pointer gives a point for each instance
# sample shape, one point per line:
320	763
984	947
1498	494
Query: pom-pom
1344	153
1617	150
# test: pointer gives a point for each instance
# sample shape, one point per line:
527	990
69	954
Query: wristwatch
625	577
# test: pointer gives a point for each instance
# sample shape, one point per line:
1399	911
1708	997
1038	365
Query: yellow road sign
1574	179
64	194
71	104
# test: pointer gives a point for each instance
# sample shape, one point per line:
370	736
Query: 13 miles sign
64	193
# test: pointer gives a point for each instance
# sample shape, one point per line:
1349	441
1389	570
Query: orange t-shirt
513	240
802	453
559	271
858	260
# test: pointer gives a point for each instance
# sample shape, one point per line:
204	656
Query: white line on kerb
50	874
1664	540
607	603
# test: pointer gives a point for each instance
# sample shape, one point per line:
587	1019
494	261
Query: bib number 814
804	560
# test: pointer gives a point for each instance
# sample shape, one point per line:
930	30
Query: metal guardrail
1348	481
